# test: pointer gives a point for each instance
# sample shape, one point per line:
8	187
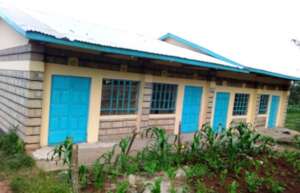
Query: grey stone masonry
284	113
115	129
21	95
146	105
210	102
236	121
33	52
167	123
258	121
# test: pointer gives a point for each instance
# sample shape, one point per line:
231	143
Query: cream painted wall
22	65
97	76
10	38
180	93
251	113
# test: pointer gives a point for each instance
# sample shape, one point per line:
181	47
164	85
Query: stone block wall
285	108
21	95
146	104
115	129
260	122
167	123
210	102
236	121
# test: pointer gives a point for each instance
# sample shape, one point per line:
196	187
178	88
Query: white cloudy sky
252	32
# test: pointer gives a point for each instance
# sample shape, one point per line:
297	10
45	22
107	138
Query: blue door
273	112
191	109
221	111
68	109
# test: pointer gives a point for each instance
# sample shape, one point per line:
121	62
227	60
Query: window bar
123	95
174	95
118	93
129	97
111	97
157	96
166	97
137	97
161	96
170	97
153	97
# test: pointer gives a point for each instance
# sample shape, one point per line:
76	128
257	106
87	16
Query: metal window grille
163	98
263	104
241	104
119	97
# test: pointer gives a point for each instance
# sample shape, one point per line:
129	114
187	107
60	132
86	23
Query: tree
295	94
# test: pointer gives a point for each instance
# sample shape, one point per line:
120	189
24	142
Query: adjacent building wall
10	38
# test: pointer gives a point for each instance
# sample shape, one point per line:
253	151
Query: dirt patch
277	169
4	187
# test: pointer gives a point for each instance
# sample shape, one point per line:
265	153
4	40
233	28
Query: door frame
88	105
229	110
202	95
269	110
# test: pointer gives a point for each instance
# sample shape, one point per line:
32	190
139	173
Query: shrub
296	140
198	170
160	149
122	187
292	158
274	186
10	143
42	182
12	153
233	187
83	175
155	187
201	188
98	175
19	161
253	181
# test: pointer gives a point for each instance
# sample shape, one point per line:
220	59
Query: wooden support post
75	178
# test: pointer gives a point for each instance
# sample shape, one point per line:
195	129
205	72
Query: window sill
262	115
239	116
157	116
114	117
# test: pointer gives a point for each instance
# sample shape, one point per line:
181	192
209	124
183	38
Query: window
163	98
263	104
240	104
119	97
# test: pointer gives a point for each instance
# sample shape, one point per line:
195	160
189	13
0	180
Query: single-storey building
60	77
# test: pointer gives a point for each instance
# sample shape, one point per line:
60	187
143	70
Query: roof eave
50	39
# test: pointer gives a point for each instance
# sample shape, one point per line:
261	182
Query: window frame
239	104
169	99
117	110
265	112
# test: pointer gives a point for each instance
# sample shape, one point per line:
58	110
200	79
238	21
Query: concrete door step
87	154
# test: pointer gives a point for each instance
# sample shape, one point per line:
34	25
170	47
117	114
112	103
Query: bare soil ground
4	187
280	171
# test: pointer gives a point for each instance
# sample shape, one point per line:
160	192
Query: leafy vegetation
19	169
293	117
238	158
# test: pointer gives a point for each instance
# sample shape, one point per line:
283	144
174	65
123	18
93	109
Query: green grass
36	181
20	171
293	119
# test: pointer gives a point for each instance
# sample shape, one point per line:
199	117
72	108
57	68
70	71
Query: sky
256	33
